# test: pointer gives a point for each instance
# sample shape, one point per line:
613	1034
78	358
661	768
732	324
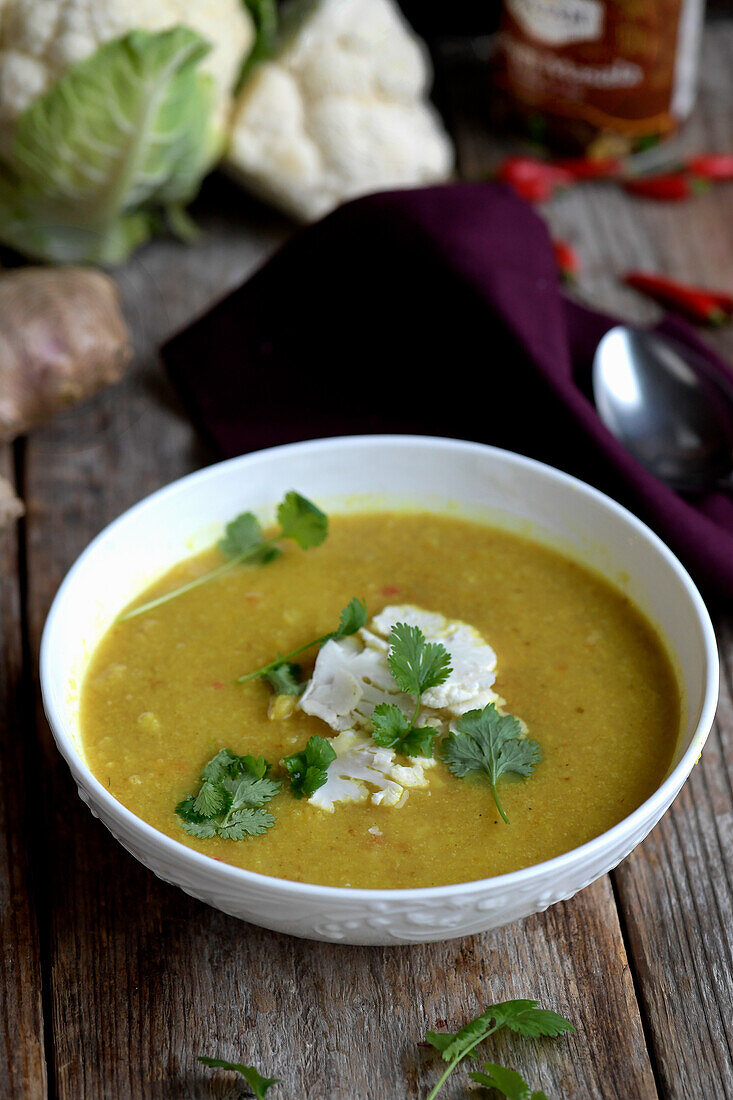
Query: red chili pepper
673	187
588	168
567	260
532	179
713	166
708	306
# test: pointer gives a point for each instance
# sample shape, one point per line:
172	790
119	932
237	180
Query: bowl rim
652	808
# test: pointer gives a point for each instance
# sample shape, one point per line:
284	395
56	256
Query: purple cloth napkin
434	311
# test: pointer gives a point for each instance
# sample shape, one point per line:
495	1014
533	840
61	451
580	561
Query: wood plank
23	1061
676	897
143	977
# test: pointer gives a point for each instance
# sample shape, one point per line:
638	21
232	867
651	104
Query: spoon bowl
658	399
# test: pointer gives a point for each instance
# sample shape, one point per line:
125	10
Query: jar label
559	22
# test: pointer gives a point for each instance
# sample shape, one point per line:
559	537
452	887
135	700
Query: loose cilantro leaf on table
520	1016
508	1082
256	1082
493	743
229	803
416	665
244	541
353	617
308	769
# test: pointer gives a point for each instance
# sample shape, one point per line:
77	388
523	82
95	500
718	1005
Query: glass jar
605	77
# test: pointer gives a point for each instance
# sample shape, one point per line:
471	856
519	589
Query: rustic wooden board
141	978
23	1062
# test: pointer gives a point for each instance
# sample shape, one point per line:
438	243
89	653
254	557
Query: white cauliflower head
341	111
41	39
111	113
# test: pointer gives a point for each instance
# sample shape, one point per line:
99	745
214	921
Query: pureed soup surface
576	661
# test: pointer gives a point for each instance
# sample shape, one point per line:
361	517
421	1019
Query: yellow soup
576	661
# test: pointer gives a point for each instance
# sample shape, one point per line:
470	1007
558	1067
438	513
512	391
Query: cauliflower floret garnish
340	111
352	676
363	771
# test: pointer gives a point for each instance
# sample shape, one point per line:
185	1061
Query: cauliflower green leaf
116	148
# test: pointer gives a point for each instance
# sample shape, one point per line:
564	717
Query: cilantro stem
188	587
352	618
282	658
499	806
446	1074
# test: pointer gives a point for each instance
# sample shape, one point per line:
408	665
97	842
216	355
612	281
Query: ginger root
62	338
11	508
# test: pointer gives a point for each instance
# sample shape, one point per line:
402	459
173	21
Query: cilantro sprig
258	1084
521	1016
308	769
491	743
229	803
244	541
282	671
416	666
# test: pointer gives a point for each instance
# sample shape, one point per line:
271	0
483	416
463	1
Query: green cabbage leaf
113	152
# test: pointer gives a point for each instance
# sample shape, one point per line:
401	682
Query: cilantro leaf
389	724
493	743
420	741
300	520
230	799
220	765
212	799
351	619
245	822
527	1019
284	679
308	769
244	541
521	1016
391	729
204	830
257	1083
242	537
506	1081
415	664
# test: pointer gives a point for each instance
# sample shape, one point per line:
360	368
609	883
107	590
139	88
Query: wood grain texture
676	900
141	978
22	1062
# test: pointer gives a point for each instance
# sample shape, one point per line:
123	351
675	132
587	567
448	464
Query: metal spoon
657	397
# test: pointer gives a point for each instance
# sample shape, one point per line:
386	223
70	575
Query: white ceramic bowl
434	474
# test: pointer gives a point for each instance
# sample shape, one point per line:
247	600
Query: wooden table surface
111	982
